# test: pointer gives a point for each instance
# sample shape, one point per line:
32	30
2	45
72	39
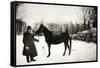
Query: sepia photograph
54	33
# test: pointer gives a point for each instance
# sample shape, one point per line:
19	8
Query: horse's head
40	30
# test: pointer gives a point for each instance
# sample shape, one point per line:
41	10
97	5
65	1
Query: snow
81	51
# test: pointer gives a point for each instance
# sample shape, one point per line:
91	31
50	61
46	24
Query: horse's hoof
69	54
63	54
48	56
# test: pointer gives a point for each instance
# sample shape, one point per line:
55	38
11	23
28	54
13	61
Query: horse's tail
70	44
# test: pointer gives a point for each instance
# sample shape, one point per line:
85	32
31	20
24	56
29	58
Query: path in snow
81	51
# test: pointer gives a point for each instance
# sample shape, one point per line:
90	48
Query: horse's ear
66	30
41	24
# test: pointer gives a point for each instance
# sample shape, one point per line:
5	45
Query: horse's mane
46	29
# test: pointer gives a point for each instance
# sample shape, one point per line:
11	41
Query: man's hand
37	40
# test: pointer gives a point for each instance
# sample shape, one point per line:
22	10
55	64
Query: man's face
29	30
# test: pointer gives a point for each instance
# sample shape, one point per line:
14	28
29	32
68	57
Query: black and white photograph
52	33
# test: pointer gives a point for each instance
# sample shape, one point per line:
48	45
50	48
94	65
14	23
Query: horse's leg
69	48
70	45
65	47
49	47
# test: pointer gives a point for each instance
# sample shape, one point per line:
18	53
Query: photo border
13	33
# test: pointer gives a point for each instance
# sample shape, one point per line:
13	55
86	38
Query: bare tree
84	15
92	16
89	15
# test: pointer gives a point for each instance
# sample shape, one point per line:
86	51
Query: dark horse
52	38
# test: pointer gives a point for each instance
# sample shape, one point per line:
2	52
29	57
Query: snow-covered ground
81	51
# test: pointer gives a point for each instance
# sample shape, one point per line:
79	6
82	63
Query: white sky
31	13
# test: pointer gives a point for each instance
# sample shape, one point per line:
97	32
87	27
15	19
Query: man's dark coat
28	40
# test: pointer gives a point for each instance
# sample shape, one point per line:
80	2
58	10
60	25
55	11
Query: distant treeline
89	19
54	27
